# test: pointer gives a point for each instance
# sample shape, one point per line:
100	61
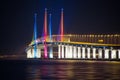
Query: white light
100	53
29	55
79	52
51	55
70	51
83	52
59	51
113	54
106	53
88	53
66	51
62	51
75	56
51	52
38	53
32	53
94	53
119	54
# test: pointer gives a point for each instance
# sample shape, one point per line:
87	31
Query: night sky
80	17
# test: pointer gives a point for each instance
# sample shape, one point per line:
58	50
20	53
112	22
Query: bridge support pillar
83	52
113	54
62	51
119	54
32	52
106	53
88	53
74	52
59	51
51	52
38	53
100	53
94	53
29	54
70	51
66	51
79	52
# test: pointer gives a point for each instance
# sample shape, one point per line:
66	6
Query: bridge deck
94	44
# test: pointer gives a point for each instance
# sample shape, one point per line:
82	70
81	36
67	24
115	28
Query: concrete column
29	55
106	53
79	52
83	52
100	53
88	53
51	52
94	53
70	51
62	51
74	52
113	54
32	53
59	51
119	54
38	53
66	51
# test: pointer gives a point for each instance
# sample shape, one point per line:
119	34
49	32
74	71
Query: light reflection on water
79	71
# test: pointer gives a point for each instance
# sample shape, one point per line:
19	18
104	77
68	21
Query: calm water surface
71	71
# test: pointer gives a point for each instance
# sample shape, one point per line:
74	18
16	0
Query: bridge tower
33	52
61	47
45	34
50	36
61	26
35	37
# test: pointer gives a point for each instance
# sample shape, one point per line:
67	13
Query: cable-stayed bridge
71	46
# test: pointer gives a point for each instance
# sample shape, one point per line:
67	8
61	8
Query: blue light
50	35
50	28
35	37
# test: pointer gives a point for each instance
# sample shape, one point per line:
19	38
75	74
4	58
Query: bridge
71	46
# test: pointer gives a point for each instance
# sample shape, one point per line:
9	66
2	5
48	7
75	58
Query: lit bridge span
77	47
69	46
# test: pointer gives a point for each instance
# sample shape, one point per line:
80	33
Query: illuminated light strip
83	52
38	53
45	24
50	35
79	52
88	43
62	51
50	28
45	34
113	54
51	53
61	24
94	53
100	53
74	52
88	53
61	48
45	50
70	51
66	51
59	51
29	55
106	54
119	54
35	37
